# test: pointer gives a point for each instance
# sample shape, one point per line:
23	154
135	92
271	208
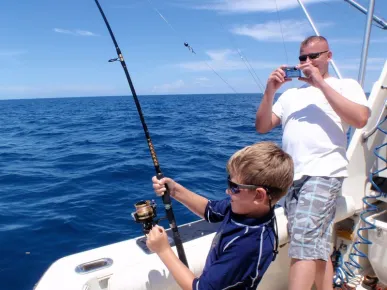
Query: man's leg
310	227
301	274
324	274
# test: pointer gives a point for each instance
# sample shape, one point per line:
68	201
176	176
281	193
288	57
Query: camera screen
292	72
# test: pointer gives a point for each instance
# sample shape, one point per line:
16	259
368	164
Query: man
315	119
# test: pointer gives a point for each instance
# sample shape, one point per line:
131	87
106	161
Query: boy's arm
195	202
183	276
157	241
243	262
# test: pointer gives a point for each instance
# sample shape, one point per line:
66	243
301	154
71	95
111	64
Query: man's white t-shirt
313	134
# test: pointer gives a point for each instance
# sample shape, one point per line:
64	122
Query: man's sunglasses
235	188
311	55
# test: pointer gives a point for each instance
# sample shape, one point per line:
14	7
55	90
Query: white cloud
169	87
77	32
345	40
127	6
220	61
379	40
376	60
373	64
220	55
28	91
202	79
84	33
203	82
358	40
292	30
59	30
11	53
216	65
248	6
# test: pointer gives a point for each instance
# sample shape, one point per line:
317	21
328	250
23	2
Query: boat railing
369	133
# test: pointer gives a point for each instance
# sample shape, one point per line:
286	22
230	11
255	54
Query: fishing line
282	34
189	47
245	60
166	197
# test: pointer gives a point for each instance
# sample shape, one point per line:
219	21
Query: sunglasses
235	188
311	55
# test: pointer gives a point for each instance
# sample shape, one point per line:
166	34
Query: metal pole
367	33
318	34
377	19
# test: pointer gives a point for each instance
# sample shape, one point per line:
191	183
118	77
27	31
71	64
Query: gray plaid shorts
310	207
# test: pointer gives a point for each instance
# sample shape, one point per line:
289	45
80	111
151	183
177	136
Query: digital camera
292	72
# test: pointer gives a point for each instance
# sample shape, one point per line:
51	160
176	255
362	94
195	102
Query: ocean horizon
128	96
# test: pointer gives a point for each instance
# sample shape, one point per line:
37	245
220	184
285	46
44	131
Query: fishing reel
145	214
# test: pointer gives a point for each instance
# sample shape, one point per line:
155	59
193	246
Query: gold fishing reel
145	214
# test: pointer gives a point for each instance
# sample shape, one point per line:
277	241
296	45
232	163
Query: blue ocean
71	169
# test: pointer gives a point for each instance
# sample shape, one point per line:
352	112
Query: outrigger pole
318	34
166	197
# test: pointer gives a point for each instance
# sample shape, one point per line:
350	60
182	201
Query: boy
245	243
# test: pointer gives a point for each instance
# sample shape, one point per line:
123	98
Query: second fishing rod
145	210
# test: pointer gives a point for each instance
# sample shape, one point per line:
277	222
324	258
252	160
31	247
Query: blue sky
61	48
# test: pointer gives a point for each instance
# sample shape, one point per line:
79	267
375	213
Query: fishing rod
145	210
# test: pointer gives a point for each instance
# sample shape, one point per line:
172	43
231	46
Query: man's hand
157	240
312	73
276	79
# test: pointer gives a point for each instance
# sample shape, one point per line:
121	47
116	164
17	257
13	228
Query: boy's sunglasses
235	188
311	55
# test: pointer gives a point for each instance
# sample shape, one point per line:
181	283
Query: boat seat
345	207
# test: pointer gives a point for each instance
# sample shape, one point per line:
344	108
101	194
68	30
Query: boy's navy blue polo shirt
241	251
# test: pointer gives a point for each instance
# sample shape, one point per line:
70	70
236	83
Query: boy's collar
249	221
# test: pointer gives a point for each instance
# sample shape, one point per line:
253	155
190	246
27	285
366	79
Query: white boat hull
134	268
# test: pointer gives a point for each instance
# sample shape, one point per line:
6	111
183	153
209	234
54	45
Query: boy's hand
159	185
157	240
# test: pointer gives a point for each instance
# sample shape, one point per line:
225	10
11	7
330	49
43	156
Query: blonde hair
263	164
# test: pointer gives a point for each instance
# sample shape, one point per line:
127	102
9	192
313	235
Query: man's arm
194	202
265	119
352	113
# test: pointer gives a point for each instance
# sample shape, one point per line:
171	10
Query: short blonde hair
264	164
